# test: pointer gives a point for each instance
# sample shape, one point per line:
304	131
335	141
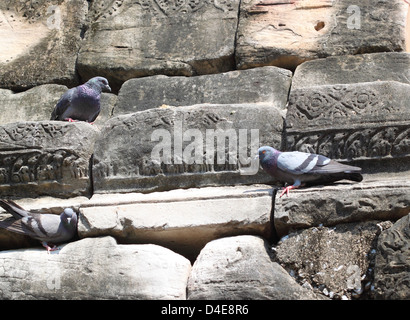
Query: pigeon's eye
263	151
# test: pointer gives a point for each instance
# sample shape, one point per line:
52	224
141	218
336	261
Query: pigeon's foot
286	190
45	245
70	120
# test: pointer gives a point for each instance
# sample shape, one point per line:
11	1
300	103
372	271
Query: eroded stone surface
94	268
287	33
42	40
35	104
336	261
386	66
241	268
268	85
128	39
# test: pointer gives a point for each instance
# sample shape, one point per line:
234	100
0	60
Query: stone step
268	85
383	66
387	199
201	224
182	220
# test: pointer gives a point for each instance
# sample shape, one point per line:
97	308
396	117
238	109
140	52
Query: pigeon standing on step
50	229
298	168
81	103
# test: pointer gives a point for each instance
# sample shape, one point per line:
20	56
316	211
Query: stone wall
171	203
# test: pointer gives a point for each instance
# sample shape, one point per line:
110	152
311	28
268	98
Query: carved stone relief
351	122
178	7
45	158
392	270
179	147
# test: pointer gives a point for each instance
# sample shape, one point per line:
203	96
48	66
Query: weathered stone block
336	261
108	101
35	104
342	203
95	268
386	66
46	158
240	268
392	269
184	147
130	39
287	33
268	85
181	220
364	121
42	40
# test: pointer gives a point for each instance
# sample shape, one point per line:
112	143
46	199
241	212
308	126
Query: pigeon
300	168
48	228
81	103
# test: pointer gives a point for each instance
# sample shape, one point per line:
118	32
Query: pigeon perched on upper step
298	168
48	228
81	103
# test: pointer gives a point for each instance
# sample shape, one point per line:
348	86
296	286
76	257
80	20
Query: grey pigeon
299	168
48	228
81	103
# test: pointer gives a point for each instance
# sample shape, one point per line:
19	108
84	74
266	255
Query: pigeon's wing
27	226
62	104
14	209
93	117
300	162
334	167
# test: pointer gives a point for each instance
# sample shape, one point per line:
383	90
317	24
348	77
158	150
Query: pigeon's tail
354	176
13	208
54	116
334	177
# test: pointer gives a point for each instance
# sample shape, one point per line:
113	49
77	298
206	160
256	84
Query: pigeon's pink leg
70	120
45	245
286	190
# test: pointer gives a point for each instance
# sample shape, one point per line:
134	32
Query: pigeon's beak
256	157
107	88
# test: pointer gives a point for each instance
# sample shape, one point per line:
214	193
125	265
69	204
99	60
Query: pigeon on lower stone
50	229
81	103
300	168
